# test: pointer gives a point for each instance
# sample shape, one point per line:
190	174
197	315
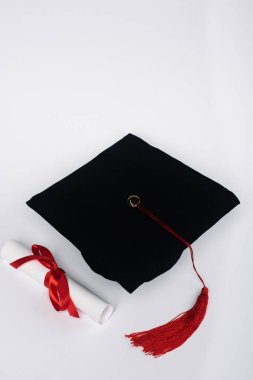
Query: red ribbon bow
55	279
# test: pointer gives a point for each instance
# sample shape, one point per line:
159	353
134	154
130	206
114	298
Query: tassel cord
172	232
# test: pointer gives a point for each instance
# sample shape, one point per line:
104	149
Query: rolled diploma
87	302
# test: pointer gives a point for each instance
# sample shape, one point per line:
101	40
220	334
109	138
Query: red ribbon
55	279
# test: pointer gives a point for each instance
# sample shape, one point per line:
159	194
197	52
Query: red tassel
162	339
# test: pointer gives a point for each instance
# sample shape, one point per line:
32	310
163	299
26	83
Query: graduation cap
132	211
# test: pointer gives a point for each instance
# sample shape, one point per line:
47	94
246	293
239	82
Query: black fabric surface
89	208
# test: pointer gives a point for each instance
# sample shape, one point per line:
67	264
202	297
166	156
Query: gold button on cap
133	200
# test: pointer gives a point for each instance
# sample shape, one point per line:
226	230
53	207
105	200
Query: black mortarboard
90	207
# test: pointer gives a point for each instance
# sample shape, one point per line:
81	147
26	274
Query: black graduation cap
132	211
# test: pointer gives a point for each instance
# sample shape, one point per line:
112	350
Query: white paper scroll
87	302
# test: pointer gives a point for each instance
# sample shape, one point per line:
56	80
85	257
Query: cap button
133	200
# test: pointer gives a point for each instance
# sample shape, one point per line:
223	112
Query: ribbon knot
55	279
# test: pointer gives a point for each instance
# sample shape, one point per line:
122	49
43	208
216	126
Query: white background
76	76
